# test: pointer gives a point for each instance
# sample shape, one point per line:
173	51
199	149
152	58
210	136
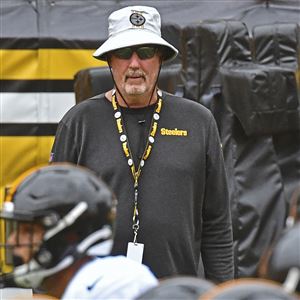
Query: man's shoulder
91	102
185	105
89	106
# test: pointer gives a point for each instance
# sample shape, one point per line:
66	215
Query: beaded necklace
136	170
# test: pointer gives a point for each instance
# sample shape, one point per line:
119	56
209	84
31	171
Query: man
55	219
161	154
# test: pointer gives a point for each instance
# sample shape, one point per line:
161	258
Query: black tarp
247	76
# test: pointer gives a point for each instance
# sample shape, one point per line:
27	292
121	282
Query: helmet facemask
33	243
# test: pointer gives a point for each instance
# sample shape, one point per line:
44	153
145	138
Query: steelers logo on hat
137	19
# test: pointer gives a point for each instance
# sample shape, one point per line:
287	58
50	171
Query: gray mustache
135	74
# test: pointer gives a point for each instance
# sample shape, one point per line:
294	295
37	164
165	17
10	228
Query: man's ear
108	59
161	54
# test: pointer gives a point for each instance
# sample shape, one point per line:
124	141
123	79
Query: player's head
178	287
52	217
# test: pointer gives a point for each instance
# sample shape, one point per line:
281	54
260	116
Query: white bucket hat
131	26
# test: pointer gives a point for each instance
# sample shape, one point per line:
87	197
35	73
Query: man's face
135	76
26	240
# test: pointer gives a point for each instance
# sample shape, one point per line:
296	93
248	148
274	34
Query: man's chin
133	90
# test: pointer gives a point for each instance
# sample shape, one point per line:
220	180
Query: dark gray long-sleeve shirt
183	193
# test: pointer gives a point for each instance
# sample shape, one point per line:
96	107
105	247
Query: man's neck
138	101
56	284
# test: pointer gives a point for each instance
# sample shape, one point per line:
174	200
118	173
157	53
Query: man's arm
64	147
217	240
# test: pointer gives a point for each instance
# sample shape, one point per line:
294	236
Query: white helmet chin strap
32	274
292	280
67	220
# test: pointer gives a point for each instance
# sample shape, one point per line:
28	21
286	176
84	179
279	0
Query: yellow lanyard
136	171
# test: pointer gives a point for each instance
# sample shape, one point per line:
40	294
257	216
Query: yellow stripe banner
24	64
17	154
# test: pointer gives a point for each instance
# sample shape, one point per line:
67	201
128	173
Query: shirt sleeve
217	240
64	147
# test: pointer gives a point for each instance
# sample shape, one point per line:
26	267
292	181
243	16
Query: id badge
135	251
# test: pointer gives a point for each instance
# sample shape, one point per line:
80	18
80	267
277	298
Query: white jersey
113	277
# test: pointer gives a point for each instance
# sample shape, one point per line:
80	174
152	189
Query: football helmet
75	208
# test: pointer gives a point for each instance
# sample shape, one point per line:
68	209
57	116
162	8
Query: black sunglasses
143	52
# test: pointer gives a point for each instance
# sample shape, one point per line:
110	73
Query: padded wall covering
206	47
247	76
279	46
263	98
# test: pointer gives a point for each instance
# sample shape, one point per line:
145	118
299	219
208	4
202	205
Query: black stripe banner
36	86
53	43
28	129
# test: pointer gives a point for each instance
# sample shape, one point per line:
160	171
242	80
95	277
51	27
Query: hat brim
133	37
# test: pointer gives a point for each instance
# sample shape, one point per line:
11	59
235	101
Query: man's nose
134	60
12	238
